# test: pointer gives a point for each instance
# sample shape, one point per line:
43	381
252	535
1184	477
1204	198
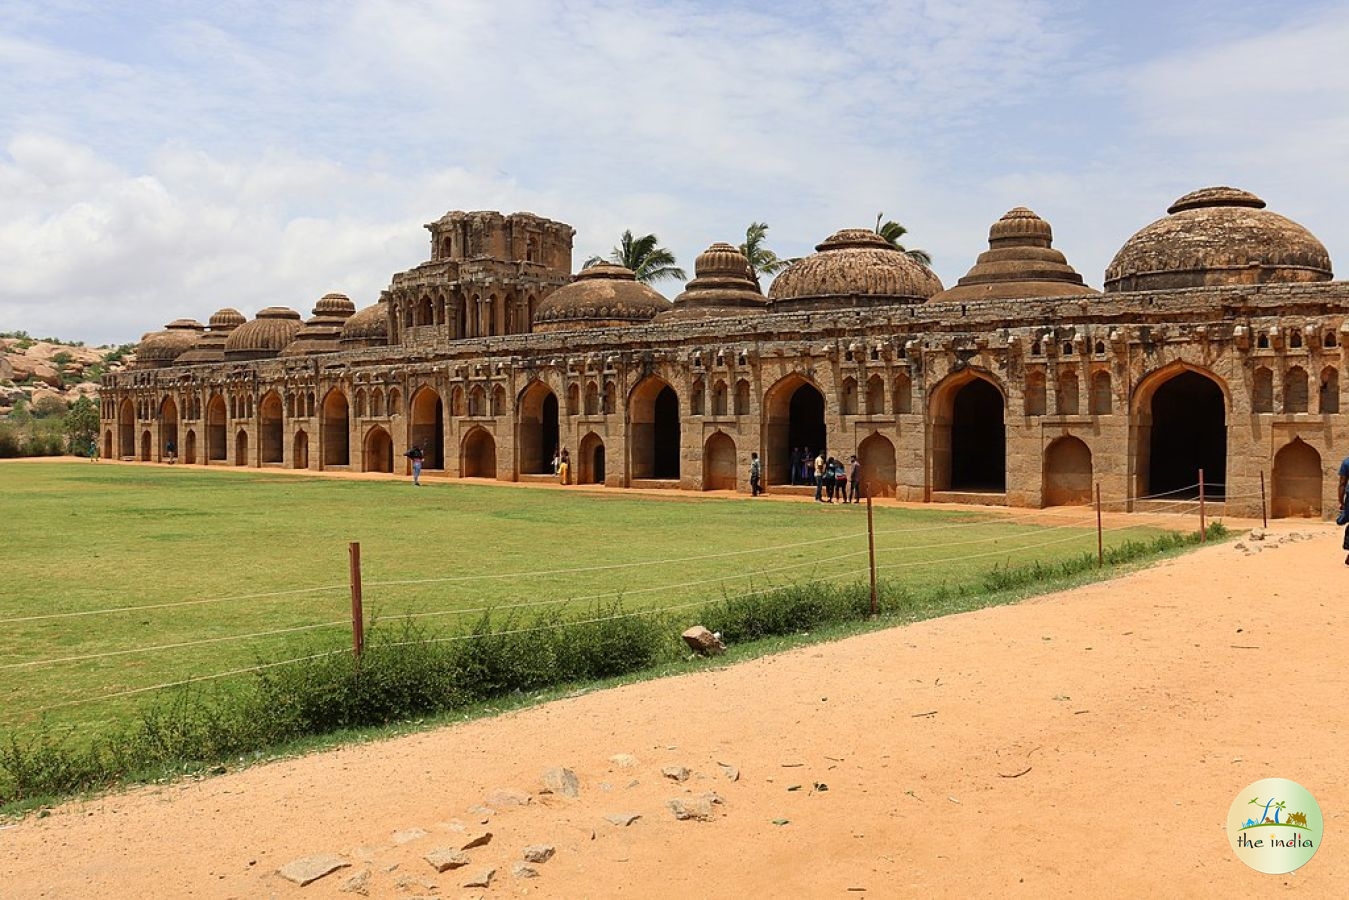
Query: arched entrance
590	460
190	447
537	434
1297	481
168	428
271	430
378	455
877	456
145	446
1067	473
336	430
126	429
215	429
1184	430
719	463
653	430
793	418
969	437
241	448
300	451
107	444
428	427
479	455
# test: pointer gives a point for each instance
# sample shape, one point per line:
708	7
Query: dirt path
1084	744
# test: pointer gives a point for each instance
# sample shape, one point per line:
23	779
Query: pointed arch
1330	390
216	449
1067	472
498	400
377	455
1180	415
592	401
1295	389
719	468
903	394
126	429
336	434
300	450
654	432
1066	396
742	397
875	396
537	433
877	456
1101	395
426	426
168	428
478	454
848	397
1296	481
590	460
793	412
969	434
271	429
1262	390
241	447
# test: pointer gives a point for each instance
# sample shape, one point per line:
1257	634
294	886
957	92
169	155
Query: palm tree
648	261
762	261
892	231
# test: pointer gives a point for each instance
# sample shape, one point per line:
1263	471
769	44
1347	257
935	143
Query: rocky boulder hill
31	370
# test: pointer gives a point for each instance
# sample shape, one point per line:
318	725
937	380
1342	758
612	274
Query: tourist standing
855	479
93	450
819	476
564	467
416	455
841	481
796	464
1343	517
755	475
557	460
171	452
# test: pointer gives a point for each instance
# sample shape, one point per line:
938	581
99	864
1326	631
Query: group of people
833	478
562	465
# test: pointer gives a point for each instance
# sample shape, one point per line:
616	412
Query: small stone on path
624	760
505	797
562	781
443	859
623	820
406	837
481	880
309	869
539	853
524	870
730	771
699	810
358	883
677	773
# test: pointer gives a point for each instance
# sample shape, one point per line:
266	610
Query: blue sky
160	159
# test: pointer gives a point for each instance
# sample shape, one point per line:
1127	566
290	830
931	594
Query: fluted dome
160	349
265	336
854	267
1217	236
1019	263
601	296
722	286
210	347
323	332
367	328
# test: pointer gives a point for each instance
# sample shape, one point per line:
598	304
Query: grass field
126	577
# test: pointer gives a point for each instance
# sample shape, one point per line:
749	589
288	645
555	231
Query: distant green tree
81	426
648	261
762	261
49	407
892	231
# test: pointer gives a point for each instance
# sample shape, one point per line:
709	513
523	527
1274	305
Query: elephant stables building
1217	344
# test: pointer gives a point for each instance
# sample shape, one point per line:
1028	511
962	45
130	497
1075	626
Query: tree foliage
648	260
81	426
892	231
762	261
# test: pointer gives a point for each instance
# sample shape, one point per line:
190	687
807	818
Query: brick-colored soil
1084	744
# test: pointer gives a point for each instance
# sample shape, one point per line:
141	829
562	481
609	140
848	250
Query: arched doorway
300	451
877	456
1184	430
107	444
537	434
969	437
428	427
336	430
168	428
271	430
378	455
719	463
1067	473
654	430
590	460
479	455
190	447
145	446
126	429
215	428
1297	481
793	418
241	448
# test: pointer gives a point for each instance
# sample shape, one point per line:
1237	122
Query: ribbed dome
601	296
210	347
1019	263
265	336
1217	236
323	332
854	267
226	319
722	286
160	349
367	328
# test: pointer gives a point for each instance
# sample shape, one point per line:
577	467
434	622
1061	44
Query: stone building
1217	345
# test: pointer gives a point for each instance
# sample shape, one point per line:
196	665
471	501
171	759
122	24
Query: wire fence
1014	535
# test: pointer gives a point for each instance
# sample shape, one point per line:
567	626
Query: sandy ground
1084	744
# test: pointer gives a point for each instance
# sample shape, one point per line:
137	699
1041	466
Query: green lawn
105	540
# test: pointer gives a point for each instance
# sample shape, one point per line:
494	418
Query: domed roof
854	267
1019	263
367	328
601	296
210	347
159	349
323	332
722	286
265	336
1217	236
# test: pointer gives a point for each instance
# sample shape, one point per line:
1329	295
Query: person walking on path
93	450
416	455
755	475
171	452
855	479
1343	517
564	467
819	477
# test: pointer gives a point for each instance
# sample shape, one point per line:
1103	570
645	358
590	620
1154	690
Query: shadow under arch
968	443
537	435
590	460
478	454
654	431
426	426
1067	472
719	463
1179	427
377	455
793	410
1296	481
